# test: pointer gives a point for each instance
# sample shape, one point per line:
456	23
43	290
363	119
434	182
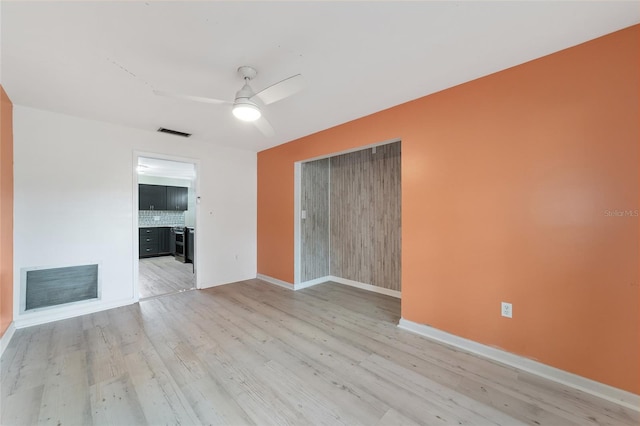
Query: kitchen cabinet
152	197
154	241
163	241
148	242
161	197
177	198
172	241
191	239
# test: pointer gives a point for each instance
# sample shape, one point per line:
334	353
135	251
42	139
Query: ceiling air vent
174	132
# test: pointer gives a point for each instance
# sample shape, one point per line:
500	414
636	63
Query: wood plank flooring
164	275
254	353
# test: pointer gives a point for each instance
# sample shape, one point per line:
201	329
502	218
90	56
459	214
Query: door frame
297	202
136	235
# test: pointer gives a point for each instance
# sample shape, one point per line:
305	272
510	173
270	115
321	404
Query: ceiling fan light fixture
246	110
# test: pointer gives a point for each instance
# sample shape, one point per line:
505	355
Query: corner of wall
6	337
6	215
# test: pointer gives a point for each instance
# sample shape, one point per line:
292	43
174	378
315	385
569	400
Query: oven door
180	246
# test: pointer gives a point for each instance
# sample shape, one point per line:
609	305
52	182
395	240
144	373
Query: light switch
304	214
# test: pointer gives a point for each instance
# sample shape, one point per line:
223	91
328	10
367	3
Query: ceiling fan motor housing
245	93
243	107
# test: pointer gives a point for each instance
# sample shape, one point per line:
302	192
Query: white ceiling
101	60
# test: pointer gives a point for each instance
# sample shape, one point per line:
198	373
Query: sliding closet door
365	217
314	228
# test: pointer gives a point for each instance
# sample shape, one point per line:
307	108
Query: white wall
74	193
160	180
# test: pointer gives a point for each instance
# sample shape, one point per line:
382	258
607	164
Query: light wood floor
253	353
164	275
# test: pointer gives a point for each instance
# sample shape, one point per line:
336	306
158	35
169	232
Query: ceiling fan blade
281	90
264	126
191	98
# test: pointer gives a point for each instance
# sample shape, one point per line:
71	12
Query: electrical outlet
507	310
156	218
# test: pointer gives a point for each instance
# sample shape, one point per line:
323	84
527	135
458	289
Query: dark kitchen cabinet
177	198
148	242
160	197
164	240
172	241
152	197
191	239
154	241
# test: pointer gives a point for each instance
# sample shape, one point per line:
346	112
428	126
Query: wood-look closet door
365	208
314	200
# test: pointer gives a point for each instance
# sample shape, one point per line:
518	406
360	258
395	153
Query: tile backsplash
147	218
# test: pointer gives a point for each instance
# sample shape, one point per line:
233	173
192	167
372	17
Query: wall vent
45	288
174	132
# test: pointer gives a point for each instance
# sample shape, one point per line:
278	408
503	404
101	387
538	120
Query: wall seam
329	218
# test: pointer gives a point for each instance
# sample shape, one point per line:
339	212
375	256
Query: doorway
348	219
166	233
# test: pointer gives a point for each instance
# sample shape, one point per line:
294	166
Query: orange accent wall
511	189
6	211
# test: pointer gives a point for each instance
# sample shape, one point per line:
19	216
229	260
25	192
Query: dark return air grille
56	286
174	132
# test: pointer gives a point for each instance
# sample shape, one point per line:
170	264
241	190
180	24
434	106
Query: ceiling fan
245	107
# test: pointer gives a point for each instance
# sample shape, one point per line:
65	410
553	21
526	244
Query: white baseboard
211	285
321	280
206	286
311	283
6	337
65	312
609	393
363	286
275	281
